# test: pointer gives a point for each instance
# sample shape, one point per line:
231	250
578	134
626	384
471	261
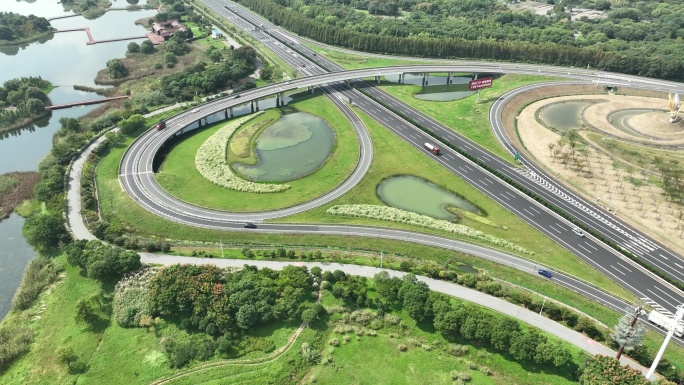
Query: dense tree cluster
209	299
14	26
488	29
203	79
22	98
101	261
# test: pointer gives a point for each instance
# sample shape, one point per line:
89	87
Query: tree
85	312
170	58
66	355
44	231
117	69
628	334
503	330
387	287
415	297
524	345
35	106
70	124
132	124
309	316
133	47
146	47
266	72
246	316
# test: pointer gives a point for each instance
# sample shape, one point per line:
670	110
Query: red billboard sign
479	84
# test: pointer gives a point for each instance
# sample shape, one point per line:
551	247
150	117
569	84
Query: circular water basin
294	146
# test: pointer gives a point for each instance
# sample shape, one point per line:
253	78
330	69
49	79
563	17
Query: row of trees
14	26
648	60
101	261
455	322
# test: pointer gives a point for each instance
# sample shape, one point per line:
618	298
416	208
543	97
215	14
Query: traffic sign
479	84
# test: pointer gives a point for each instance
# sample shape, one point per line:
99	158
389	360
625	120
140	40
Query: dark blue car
545	273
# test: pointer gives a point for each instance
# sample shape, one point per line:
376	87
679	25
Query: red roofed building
168	28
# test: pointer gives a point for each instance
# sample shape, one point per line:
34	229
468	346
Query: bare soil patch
632	194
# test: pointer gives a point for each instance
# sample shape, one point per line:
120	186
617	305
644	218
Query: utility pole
222	256
673	327
632	324
381	259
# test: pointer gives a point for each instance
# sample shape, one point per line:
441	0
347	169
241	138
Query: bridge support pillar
449	78
199	122
312	89
282	98
251	106
230	112
256	105
377	79
225	114
401	78
206	120
424	79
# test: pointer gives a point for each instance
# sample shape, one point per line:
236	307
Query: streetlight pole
673	327
381	259
542	308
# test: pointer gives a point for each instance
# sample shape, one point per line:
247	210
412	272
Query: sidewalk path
583	342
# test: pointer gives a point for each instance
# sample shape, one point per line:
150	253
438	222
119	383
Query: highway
606	260
136	173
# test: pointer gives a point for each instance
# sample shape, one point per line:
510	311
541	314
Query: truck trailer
664	322
432	148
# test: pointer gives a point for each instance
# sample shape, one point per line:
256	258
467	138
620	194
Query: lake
65	60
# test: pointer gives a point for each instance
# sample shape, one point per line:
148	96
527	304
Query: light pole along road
136	175
592	251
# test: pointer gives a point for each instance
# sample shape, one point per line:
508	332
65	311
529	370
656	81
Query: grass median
180	178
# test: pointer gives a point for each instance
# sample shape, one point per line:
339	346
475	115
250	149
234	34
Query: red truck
161	125
432	148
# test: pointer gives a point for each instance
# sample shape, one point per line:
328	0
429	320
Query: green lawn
350	61
180	178
466	116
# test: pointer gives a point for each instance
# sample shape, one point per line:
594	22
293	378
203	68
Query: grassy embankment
351	62
180	178
15	187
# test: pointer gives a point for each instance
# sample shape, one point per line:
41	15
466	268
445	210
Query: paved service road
532	318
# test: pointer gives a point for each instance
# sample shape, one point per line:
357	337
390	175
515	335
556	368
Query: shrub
131	298
486	371
334	342
402	216
39	273
14	342
456	350
471	365
402	347
211	162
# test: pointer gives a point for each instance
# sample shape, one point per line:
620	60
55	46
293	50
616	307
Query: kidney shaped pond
294	146
420	196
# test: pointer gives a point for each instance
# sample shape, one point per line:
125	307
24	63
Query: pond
420	196
617	119
437	88
294	146
563	116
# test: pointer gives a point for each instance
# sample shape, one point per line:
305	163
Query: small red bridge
84	103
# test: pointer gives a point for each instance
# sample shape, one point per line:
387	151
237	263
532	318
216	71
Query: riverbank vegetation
18	29
23	101
15	187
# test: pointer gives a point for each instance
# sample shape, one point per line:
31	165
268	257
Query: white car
196	110
577	231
